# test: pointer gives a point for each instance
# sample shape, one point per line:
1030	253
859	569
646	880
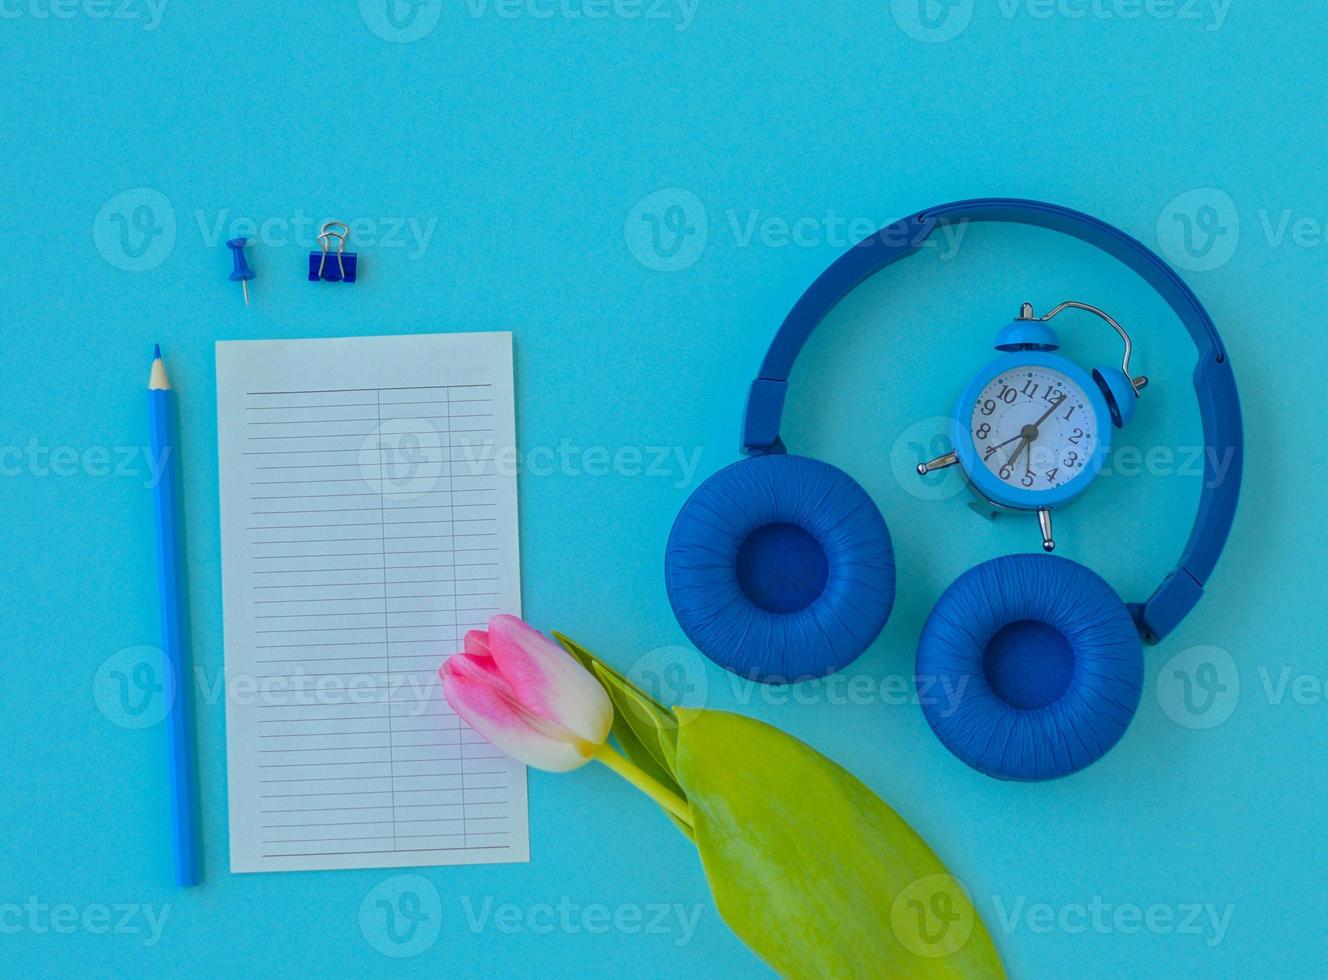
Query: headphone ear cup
1034	665
779	568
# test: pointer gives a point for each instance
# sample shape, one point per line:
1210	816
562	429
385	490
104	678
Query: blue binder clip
326	268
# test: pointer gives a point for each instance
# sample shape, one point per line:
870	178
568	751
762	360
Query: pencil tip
157	380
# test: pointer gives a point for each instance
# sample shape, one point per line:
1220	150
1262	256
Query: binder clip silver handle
326	234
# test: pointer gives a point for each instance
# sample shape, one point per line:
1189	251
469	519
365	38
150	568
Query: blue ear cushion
1032	667
780	568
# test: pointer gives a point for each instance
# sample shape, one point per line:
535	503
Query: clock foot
939	463
1044	522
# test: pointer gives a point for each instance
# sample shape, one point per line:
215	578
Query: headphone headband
1214	383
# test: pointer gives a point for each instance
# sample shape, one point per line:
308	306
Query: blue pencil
171	593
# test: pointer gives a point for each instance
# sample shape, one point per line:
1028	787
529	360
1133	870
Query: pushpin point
242	273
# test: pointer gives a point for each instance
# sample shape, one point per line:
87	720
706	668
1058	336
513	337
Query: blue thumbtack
242	273
344	268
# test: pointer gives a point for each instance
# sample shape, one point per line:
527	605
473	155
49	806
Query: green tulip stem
646	783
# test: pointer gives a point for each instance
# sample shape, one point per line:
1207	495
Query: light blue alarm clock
1032	429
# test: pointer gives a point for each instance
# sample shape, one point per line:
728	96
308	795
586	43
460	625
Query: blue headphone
780	567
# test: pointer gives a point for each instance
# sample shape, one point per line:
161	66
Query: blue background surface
532	146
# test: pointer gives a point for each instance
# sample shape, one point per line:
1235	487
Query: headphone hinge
760	425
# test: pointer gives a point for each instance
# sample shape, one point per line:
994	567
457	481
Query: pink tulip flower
528	696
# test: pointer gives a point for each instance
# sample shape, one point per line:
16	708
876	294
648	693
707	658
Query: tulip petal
547	681
477	643
483	669
489	710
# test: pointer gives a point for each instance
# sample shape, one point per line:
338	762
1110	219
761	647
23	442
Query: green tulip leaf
811	868
644	729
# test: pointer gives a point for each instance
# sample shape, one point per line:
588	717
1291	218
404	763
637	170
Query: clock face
1034	428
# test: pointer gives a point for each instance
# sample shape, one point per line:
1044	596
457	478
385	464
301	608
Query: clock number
989	452
1071	459
1070	412
1051	474
1030	388
1007	471
988	407
1078	434
1008	394
1027	479
982	431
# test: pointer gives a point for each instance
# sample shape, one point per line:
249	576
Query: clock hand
1047	414
1029	434
1019	449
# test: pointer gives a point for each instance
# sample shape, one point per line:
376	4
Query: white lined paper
367	523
